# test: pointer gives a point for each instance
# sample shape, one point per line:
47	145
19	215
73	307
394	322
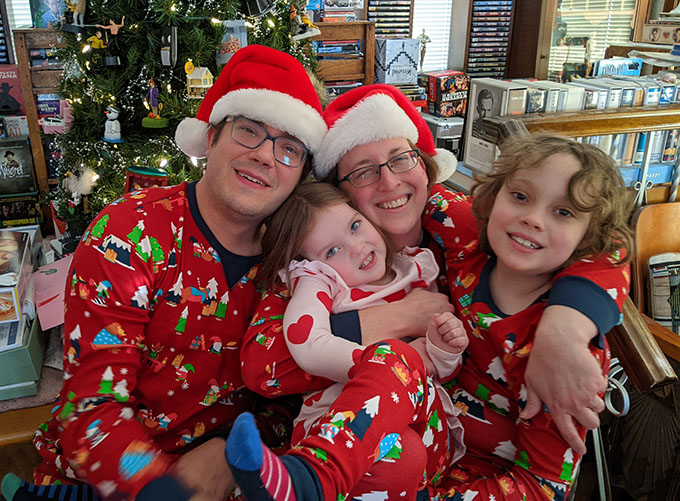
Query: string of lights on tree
98	153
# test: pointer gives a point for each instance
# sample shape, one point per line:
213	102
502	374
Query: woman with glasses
380	152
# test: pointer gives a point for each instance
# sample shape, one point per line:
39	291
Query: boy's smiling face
533	227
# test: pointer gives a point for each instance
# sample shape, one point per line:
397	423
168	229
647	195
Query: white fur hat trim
372	119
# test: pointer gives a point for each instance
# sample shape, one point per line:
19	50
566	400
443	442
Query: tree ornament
112	125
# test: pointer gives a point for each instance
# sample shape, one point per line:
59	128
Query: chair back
657	230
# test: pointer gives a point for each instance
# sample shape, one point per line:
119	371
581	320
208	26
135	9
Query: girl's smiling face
349	243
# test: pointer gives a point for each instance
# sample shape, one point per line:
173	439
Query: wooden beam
19	425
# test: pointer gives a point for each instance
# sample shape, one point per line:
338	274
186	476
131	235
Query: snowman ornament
112	125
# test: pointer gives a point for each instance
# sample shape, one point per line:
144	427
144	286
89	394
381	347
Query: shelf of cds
489	33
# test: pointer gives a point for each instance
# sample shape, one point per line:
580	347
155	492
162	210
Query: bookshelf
613	121
361	68
36	81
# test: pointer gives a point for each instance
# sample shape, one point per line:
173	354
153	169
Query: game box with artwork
16	168
489	98
16	267
19	210
11	99
48	13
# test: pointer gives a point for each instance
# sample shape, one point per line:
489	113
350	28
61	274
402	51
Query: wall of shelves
360	68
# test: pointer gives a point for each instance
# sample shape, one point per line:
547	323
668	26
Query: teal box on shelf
20	367
656	173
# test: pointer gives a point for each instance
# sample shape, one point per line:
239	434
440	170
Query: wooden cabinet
36	81
361	68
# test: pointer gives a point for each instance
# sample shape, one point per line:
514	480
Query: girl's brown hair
288	227
597	188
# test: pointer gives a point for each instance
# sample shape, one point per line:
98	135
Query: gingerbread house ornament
198	82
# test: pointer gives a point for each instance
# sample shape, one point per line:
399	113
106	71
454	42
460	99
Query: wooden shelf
603	122
36	81
361	68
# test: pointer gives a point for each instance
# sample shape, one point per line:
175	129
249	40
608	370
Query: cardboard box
489	98
445	85
396	60
448	109
16	267
16	127
23	363
661	33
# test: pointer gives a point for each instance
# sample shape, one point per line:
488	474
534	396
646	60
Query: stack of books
340	10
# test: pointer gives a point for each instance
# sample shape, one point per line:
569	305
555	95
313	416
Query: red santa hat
262	84
371	113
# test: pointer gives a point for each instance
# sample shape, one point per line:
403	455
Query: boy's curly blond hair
597	188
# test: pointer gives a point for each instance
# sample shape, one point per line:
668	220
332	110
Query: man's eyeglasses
251	134
400	163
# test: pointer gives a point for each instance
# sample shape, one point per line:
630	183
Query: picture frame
235	38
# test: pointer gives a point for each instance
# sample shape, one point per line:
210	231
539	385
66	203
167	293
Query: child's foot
259	473
15	489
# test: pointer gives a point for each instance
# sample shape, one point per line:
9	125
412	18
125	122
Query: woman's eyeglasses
400	163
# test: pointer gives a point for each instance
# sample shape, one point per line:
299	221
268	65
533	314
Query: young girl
550	202
334	260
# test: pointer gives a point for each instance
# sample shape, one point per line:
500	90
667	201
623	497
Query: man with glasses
162	293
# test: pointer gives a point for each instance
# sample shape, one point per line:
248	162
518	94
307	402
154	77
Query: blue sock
259	473
15	489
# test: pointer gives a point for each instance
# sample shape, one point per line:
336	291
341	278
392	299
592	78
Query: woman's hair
597	188
288	227
431	169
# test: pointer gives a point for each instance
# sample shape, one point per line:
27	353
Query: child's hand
446	332
418	344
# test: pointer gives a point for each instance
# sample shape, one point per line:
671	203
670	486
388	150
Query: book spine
640	148
614	100
552	100
517	102
629	149
627	97
602	99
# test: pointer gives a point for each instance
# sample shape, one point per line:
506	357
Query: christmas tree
92	173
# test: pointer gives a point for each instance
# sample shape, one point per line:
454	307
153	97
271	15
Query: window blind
605	22
435	17
19	12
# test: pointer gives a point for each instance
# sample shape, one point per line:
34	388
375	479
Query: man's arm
268	368
102	356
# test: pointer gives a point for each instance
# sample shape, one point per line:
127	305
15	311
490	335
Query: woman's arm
409	316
